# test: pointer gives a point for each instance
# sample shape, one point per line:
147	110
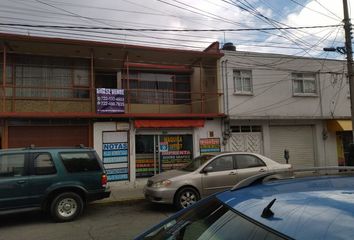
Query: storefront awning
168	123
339	125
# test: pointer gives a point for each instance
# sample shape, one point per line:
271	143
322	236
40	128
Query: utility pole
348	46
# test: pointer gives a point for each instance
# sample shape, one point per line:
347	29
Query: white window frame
242	73
305	77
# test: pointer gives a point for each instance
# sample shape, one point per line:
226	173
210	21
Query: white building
277	102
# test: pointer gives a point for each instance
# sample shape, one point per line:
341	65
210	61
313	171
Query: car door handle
21	181
232	173
261	170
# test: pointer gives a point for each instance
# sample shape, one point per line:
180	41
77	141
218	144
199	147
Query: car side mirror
208	169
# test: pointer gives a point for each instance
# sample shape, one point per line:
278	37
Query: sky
48	17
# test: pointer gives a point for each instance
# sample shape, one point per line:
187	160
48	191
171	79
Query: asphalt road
99	221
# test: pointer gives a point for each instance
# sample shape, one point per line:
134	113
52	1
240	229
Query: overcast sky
187	15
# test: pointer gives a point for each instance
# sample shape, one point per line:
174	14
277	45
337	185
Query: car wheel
186	197
66	207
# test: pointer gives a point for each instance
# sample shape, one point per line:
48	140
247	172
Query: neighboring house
143	109
277	102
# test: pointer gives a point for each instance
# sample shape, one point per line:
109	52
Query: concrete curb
123	201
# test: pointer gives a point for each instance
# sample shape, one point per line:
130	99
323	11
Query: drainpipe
324	128
223	87
226	132
227	90
4	79
223	123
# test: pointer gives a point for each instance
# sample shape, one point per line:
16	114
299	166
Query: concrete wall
196	90
211	98
213	126
325	150
273	101
273	88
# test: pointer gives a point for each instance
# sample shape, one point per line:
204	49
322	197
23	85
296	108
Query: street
99	221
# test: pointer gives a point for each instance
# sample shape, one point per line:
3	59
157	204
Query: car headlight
159	184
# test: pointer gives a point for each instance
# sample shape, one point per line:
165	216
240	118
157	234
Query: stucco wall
273	88
210	126
99	127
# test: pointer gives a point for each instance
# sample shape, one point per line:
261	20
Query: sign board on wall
209	145
115	154
175	151
110	100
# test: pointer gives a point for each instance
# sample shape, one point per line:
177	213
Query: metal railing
191	101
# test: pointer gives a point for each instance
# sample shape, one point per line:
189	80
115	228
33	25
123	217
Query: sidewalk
124	193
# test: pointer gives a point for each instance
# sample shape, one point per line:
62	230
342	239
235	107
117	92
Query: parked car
315	207
60	181
206	175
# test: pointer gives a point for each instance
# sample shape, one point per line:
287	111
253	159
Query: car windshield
197	162
211	220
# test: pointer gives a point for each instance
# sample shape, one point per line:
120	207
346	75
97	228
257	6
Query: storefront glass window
175	151
170	152
146	165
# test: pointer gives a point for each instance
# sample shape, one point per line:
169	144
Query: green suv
60	181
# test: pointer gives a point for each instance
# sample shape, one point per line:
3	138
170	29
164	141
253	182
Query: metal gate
246	142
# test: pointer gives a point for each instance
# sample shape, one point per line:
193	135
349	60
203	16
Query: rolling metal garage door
299	140
48	136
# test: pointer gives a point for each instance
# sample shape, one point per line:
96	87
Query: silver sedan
206	175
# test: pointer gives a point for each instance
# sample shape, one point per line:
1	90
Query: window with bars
242	82
304	83
47	77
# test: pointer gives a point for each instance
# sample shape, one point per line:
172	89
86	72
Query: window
80	162
197	162
176	152
12	165
304	83
246	128
43	164
248	161
212	220
243	81
223	163
47	77
157	88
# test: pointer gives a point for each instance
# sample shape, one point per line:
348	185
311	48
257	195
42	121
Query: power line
328	10
336	19
253	11
167	30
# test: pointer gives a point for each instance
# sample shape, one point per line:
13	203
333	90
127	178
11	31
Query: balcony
83	100
162	101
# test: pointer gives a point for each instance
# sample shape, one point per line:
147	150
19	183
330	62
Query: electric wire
296	2
166	30
335	15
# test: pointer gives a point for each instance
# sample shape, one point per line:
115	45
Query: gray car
205	175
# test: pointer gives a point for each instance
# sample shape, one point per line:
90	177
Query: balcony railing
136	101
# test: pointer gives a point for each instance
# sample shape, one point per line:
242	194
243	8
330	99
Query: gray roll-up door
299	140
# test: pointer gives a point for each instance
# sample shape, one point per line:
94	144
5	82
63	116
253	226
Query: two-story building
280	102
143	109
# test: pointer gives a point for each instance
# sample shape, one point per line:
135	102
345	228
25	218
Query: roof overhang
172	123
339	125
80	115
105	51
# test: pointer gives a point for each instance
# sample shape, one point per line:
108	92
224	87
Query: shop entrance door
156	153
